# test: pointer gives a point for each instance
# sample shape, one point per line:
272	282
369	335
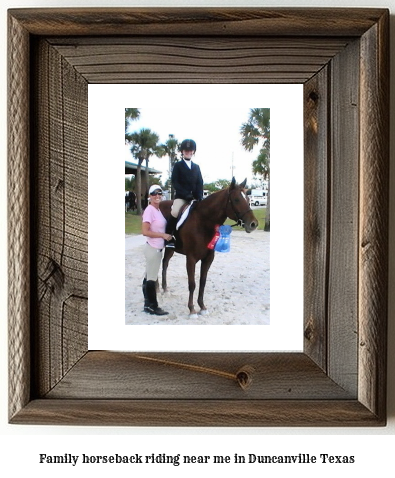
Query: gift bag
223	243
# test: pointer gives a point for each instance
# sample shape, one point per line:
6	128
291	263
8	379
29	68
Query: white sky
216	131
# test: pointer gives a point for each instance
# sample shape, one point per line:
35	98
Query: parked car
258	200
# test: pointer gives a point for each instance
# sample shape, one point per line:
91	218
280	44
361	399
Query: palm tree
254	132
131	114
144	145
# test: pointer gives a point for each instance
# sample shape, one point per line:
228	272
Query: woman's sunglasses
156	193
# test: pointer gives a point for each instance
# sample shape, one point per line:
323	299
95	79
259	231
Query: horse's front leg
204	268
165	262
191	265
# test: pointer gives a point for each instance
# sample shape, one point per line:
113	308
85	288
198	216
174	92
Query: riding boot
152	307
144	288
170	228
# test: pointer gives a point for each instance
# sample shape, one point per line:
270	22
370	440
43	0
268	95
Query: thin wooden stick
243	376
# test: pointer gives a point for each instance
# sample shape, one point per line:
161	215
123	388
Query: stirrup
171	243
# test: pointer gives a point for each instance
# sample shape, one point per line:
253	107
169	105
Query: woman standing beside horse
153	227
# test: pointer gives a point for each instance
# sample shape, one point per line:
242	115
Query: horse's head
238	207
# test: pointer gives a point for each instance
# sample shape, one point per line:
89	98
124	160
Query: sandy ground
237	289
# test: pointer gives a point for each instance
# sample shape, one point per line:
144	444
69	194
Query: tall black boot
170	228
153	308
144	289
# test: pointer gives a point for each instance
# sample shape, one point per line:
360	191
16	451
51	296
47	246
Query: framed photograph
341	57
244	286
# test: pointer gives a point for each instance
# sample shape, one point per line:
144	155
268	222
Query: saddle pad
184	215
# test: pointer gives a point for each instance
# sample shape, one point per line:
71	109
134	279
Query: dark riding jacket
187	182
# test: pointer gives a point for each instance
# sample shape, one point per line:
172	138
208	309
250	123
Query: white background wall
21	445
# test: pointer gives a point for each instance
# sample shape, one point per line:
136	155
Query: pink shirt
157	223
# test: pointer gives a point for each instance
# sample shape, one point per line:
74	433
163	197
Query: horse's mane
217	193
207	201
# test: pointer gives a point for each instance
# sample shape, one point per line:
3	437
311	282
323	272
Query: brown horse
198	230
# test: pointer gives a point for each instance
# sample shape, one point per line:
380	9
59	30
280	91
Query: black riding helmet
188	145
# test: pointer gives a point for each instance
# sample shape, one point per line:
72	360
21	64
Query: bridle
238	215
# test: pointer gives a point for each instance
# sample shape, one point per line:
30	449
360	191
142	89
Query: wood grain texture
316	215
260	22
206	375
60	196
373	234
344	216
18	218
196	59
342	59
201	413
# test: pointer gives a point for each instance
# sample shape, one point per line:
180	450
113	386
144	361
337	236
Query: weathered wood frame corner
342	58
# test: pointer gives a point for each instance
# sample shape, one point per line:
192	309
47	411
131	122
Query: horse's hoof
193	316
203	312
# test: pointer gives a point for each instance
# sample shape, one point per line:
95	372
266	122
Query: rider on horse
187	181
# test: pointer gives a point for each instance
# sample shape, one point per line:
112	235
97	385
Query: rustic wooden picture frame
342	58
